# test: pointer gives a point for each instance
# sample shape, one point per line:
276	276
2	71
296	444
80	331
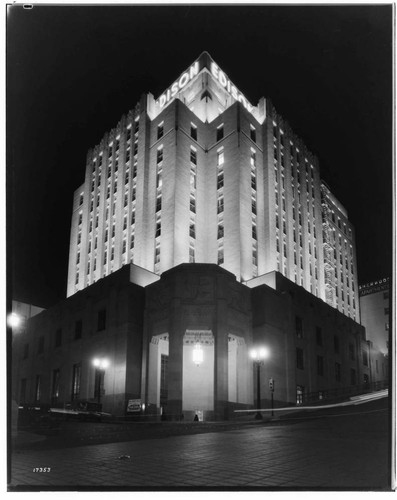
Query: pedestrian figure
196	418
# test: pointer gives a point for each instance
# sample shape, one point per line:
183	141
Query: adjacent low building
375	304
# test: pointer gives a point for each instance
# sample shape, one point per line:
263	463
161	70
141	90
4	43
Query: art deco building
203	230
200	175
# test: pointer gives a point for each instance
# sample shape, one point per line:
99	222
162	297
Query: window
22	394
254	235
337	371
221	231
25	351
193	131
386	295
58	337
220	181
319	336
160	155
299	358
160	130
37	391
157	255
351	352
336	343
158	229
40	347
191	254
158	204
299	327
101	320
78	329
193	156
253	133
76	377
220	205
55	385
320	366
221	157
353	378
299	394
192	205
220	256
192	230
365	357
219	133
386	310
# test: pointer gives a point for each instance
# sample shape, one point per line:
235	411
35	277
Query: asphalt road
339	449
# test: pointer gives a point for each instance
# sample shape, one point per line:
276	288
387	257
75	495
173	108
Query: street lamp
258	356
14	320
100	365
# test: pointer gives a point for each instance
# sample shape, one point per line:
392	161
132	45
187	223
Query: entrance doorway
198	371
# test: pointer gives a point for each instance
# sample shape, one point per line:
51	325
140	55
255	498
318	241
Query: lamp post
258	356
14	320
100	365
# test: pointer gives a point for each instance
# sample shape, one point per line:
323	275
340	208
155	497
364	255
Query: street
348	449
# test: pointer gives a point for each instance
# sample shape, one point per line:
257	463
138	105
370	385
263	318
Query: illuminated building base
178	346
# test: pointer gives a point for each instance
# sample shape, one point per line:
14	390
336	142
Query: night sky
72	72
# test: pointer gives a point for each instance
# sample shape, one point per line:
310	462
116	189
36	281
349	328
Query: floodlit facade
203	229
200	175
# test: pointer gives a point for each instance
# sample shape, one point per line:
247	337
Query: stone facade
151	334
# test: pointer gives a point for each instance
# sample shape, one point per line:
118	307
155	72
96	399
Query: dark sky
72	71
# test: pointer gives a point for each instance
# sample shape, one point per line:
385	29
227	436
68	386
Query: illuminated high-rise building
201	175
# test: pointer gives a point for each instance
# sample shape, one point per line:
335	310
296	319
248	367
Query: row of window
75	389
77	334
320	362
220	204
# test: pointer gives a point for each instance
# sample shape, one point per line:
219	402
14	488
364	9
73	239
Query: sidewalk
349	452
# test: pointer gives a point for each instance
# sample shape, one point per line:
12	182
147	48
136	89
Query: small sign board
134	405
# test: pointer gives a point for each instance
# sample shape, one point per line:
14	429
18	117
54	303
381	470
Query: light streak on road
355	400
